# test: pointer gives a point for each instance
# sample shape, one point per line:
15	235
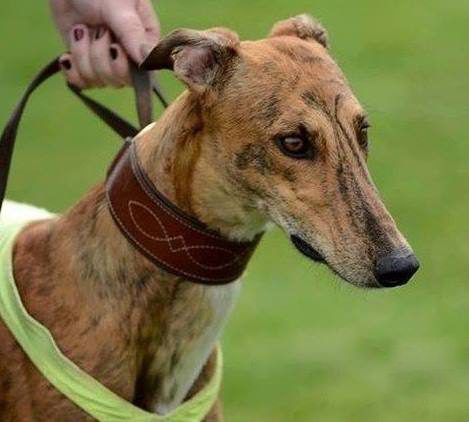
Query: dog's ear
198	58
302	26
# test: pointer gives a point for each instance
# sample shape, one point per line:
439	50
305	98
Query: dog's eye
363	135
295	146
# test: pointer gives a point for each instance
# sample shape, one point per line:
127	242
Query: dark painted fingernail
99	33
66	64
78	34
114	53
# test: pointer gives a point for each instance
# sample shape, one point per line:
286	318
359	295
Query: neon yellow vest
83	390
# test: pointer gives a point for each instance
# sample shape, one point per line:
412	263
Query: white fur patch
147	129
221	299
15	212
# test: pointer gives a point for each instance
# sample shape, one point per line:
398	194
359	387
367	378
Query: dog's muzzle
306	249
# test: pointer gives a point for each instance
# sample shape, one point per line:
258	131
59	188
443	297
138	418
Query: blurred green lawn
301	345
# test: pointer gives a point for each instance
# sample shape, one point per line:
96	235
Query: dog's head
288	135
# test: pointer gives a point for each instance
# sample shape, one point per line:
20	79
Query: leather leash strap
142	86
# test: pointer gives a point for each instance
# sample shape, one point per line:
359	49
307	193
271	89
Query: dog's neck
180	156
139	330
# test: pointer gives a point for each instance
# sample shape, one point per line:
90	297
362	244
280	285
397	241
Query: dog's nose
396	269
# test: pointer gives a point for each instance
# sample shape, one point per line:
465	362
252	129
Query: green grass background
301	345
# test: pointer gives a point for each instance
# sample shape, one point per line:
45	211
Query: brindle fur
212	153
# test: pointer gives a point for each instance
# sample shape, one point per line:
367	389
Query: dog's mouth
306	249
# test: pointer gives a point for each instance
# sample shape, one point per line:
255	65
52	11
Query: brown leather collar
166	235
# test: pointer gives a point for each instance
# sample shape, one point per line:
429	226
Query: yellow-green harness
83	390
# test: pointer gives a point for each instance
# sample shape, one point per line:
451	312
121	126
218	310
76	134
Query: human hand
101	36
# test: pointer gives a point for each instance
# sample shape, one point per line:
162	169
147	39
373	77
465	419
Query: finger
80	49
150	22
120	64
70	71
64	17
130	31
101	58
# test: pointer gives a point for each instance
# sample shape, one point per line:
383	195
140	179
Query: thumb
130	31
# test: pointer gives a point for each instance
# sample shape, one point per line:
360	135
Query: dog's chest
196	321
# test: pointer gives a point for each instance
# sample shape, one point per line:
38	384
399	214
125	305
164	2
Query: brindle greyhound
268	131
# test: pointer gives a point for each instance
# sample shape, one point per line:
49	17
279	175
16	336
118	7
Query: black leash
143	87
